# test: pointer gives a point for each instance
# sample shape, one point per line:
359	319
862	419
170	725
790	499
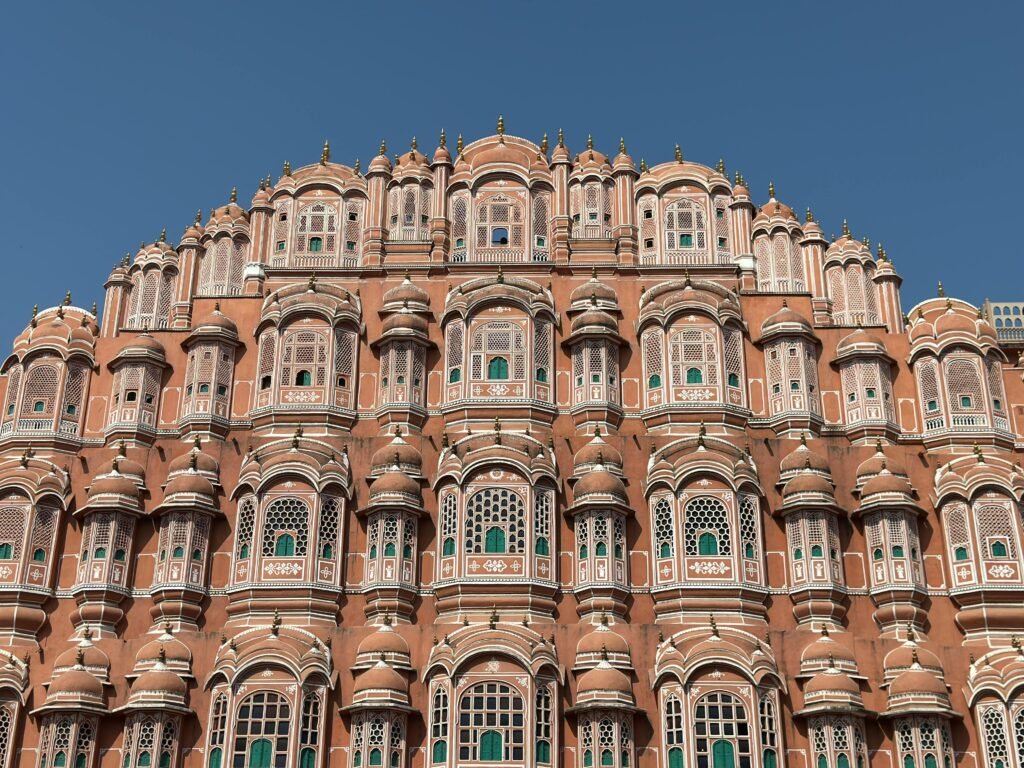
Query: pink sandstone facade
510	456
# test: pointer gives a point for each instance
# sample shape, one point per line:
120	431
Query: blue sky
119	119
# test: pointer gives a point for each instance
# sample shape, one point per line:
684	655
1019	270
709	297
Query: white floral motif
282	569
495	566
1000	571
705	568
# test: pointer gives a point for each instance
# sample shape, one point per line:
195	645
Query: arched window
262	728
497	368
706	525
500	349
286	526
222	267
685	229
693	358
722	737
439	726
317	229
663	528
303	379
675	732
495	519
500	224
491	724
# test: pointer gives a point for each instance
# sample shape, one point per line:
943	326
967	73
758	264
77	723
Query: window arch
694	358
500	227
286	528
706	526
221	270
664	524
439	726
722	737
499	348
685	231
492	725
495	519
262	727
316	231
964	388
40	387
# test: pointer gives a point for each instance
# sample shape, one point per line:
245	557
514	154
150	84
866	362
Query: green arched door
722	755
259	754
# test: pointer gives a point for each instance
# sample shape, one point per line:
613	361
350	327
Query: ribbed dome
189	482
381	677
597	451
394	483
76	683
825	650
832	679
875	463
602	640
396	452
216	321
785	318
885	482
594	318
385	640
406	291
113	483
955	322
159	680
917	680
599	481
807	483
804	458
604	677
593	289
405	321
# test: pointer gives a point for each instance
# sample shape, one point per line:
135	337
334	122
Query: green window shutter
769	760
285	545
543	751
665	550
930	761
259	754
588	759
448	548
389	549
376	756
654	381
908	761
822	761
542	547
165	760
607	758
308	758
144	760
601	549
707	544
722	755
497	368
675	758
843	762
694	376
440	752
491	748
81	760
495	542
215	758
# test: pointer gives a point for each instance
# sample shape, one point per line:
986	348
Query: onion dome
381	685
175	654
597	453
808	487
599	485
395	487
158	688
380	164
804	460
203	463
874	464
774	213
785	322
902	657
603	643
583	295
115	490
832	689
406	293
623	161
161	249
143	348
215	324
75	688
560	153
385	644
860	343
408	459
825	652
405	323
228	217
441	154
591	161
594	319
95	661
885	486
129	467
604	686
189	484
918	690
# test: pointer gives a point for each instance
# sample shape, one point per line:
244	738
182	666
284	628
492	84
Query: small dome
604	677
385	640
903	657
885	482
593	289
86	654
205	463
874	464
160	681
190	483
175	653
917	680
406	291
216	321
785	319
832	680
860	341
76	683
807	483
381	677
397	452
804	458
599	482
955	322
594	318
597	452
113	483
824	651
405	321
394	482
602	640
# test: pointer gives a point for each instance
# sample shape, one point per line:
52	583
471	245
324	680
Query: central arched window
706	527
495	521
492	723
317	229
439	727
497	368
286	528
685	227
261	731
693	358
721	732
499	348
500	223
304	358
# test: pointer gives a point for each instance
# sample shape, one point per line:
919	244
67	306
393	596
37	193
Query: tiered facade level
513	457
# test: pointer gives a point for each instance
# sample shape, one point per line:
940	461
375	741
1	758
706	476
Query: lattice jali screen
495	507
286	516
706	514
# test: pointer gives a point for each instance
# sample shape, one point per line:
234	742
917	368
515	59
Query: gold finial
721	166
443	141
824	630
80	658
67	299
561	138
771	190
867	243
590	142
459	145
325	154
942	290
911	635
199	216
286	170
163	235
396	159
622	146
383	151
679	154
94	309
846	228
737	180
501	128
234	194
913	657
356	167
810	214
544	144
413	145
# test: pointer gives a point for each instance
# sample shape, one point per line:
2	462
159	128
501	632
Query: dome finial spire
383	151
679	154
234	194
942	290
286	169
67	299
459	144
622	146
561	138
590	142
199	216
846	228
325	154
544	144
810	215
356	167
413	145
443	140
721	167
501	128
771	189
163	235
